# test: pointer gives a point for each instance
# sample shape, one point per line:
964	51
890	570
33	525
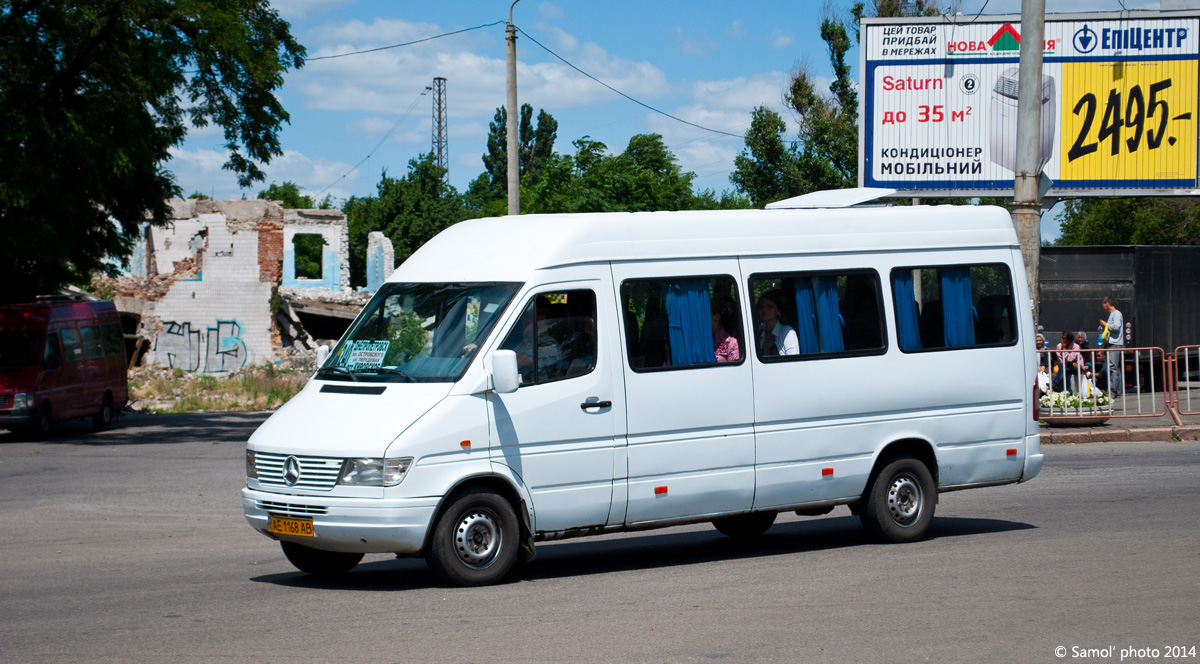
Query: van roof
34	315
512	248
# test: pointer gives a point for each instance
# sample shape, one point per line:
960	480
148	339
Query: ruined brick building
218	287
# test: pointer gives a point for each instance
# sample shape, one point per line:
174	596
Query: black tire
745	526
44	426
102	420
475	540
317	562
900	501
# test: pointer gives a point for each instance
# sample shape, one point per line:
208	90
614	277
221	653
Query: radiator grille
318	473
289	508
5	400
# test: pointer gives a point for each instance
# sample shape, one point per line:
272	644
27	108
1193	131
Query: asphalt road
131	546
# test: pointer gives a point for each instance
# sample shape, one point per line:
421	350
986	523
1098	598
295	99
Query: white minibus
532	378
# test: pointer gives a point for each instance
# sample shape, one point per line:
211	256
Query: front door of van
558	431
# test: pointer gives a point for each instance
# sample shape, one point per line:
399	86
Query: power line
639	103
384	48
385	137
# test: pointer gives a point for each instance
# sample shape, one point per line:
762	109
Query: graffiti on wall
226	350
179	346
182	347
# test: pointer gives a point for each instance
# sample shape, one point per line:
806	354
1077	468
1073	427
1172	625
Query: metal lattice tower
441	149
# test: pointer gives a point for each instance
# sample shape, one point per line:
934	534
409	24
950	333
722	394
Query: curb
1122	435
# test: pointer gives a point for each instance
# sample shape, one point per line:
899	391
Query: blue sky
704	61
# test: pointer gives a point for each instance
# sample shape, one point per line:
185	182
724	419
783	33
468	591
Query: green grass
165	390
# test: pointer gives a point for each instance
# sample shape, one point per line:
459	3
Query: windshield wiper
339	370
395	372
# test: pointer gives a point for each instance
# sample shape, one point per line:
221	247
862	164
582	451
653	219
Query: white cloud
737	29
780	40
550	12
564	41
200	170
387	82
698	45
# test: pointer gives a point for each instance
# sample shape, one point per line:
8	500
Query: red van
61	358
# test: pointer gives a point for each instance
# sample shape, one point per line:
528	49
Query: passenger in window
725	345
774	338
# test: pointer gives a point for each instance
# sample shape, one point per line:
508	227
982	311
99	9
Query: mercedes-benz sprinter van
532	378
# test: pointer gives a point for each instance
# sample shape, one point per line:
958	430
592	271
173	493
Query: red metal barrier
1146	385
1187	391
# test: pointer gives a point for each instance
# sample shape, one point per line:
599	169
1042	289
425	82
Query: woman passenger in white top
774	338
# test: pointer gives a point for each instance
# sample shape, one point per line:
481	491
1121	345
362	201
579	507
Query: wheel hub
477	539
904	500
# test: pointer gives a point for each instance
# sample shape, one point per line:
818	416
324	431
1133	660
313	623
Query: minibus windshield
19	348
418	332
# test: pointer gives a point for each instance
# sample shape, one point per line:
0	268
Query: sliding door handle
595	404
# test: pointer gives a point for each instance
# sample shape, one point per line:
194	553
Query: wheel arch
503	486
918	448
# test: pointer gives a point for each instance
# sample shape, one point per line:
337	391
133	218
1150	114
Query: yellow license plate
285	526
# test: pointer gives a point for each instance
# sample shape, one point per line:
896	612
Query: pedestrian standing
1112	331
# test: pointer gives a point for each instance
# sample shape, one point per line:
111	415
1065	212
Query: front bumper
13	418
354	525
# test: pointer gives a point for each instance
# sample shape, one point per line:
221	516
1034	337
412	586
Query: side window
72	347
809	315
51	357
685	322
92	349
114	339
555	337
954	306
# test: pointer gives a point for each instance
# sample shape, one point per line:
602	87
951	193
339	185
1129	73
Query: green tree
536	146
409	210
288	194
826	154
768	168
94	93
1130	221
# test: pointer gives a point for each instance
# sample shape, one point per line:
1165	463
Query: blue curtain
806	313
829	315
958	310
689	323
908	329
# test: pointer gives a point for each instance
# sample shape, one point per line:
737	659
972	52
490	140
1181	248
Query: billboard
1119	99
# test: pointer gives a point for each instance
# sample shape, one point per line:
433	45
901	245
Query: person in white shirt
1115	326
774	338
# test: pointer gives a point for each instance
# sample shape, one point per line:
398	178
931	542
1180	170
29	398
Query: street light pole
510	58
1027	204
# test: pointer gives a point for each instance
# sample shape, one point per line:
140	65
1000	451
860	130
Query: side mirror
505	377
322	355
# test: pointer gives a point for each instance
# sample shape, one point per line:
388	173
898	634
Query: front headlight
251	465
22	400
374	472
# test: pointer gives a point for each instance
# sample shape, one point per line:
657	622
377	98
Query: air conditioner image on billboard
1003	130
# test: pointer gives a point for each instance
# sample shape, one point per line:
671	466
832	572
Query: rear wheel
899	504
475	540
745	526
102	420
317	562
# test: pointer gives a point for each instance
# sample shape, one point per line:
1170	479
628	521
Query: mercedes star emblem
291	471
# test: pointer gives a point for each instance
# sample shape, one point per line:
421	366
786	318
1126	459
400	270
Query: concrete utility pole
514	164
1027	204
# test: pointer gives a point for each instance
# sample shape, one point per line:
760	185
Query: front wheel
317	562
899	504
475	540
